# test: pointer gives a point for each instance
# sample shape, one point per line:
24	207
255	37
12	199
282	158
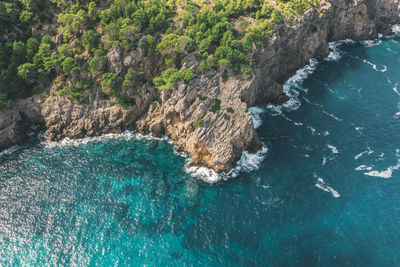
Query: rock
114	57
18	121
189	113
128	61
189	193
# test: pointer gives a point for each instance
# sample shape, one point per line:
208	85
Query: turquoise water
326	193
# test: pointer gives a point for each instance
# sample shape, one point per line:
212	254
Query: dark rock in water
176	255
189	193
161	188
128	189
174	178
147	182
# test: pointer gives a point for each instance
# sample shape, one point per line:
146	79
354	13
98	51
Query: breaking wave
321	184
9	150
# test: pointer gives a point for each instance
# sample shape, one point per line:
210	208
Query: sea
323	191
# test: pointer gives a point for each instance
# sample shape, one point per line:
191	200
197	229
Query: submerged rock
189	193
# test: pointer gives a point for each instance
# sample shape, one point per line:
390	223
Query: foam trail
333	149
127	135
396	90
389	171
322	108
291	87
384	69
9	150
321	184
371	43
383	174
363	168
368	152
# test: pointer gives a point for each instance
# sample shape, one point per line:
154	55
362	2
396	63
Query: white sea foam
363	168
371	43
127	135
333	149
291	88
203	173
336	53
395	89
9	150
256	113
384	69
396	29
321	184
367	152
385	173
247	163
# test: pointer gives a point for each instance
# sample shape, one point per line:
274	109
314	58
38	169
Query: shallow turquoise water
326	194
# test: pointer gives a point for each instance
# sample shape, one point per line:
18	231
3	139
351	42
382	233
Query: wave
396	29
256	113
9	150
336	53
126	135
333	149
321	184
368	152
382	174
247	163
363	168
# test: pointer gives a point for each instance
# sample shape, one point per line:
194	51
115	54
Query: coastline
248	162
218	144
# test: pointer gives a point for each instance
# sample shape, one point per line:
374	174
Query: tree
90	39
98	65
109	83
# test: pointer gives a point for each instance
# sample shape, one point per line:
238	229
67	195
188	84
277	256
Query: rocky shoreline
215	139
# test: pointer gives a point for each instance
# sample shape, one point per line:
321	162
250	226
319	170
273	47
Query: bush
109	83
216	107
98	65
188	75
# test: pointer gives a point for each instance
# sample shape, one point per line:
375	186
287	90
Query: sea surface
325	191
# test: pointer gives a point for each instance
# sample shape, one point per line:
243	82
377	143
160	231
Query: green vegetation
216	106
71	55
198	123
230	110
171	76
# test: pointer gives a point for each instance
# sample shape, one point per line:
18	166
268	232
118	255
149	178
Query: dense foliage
64	43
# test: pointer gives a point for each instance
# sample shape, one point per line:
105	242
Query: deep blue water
326	194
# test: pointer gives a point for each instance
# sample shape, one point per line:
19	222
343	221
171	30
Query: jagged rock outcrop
219	142
18	121
208	117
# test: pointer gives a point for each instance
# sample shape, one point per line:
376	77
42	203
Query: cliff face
209	117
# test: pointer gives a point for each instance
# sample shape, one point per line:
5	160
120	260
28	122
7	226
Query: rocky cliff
208	117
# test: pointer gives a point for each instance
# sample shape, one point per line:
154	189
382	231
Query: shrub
188	75
109	83
198	123
216	106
